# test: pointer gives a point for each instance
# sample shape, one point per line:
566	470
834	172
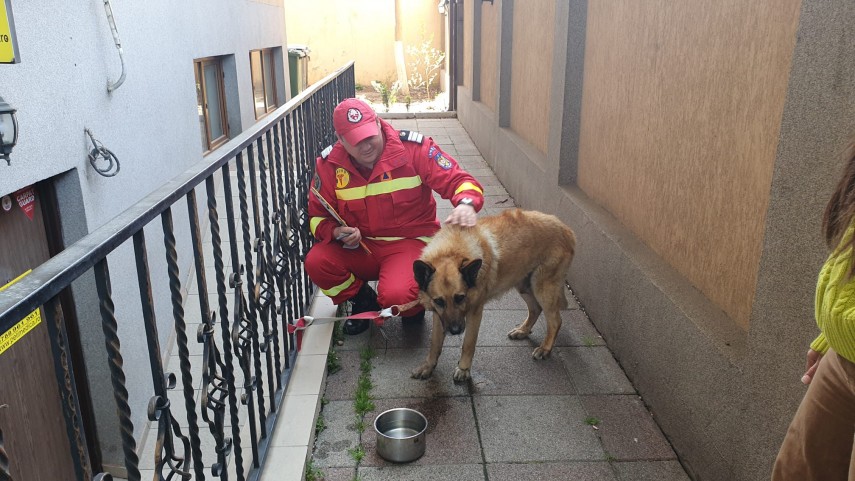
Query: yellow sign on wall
25	325
8	42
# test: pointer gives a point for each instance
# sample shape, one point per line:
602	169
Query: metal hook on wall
99	152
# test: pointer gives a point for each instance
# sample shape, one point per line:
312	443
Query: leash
379	317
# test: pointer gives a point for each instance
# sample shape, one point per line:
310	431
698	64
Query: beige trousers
819	443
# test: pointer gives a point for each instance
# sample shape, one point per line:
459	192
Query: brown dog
464	267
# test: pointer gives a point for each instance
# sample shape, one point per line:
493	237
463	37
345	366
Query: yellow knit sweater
835	303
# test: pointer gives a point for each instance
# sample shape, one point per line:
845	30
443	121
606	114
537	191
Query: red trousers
819	443
340	272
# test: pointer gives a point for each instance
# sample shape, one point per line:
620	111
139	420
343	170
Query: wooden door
33	427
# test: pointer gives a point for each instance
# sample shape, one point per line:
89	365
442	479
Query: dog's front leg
437	337
470	338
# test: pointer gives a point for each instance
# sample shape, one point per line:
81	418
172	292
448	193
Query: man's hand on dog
349	236
463	215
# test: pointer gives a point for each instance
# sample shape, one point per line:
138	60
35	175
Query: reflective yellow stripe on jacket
378	188
314	222
468	186
334	291
423	239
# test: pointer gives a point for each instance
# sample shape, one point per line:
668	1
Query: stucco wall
647	89
150	123
680	123
489	52
531	72
338	31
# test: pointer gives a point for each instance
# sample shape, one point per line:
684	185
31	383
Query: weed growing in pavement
320	424
313	473
357	453
588	341
333	362
592	421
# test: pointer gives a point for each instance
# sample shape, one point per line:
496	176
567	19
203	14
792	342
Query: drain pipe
111	86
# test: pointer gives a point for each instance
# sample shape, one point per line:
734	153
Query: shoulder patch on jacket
326	152
411	136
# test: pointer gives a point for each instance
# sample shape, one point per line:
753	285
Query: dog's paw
422	372
518	333
541	353
461	375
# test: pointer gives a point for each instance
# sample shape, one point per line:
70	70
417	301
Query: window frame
267	65
199	72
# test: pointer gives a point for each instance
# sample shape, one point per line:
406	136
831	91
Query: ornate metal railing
273	163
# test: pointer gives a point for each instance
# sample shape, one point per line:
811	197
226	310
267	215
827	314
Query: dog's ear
470	272
423	273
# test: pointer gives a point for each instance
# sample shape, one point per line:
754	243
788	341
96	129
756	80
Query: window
210	99
262	65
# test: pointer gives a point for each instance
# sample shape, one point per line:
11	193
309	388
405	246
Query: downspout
111	86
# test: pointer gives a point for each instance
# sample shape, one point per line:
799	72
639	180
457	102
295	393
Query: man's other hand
463	215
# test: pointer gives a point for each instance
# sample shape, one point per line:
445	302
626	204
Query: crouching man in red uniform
381	182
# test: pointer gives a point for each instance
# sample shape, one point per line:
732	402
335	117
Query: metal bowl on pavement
400	435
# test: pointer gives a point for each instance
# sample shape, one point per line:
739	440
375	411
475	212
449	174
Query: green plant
592	421
588	341
333	362
408	100
357	453
320	425
359	87
425	64
313	473
388	91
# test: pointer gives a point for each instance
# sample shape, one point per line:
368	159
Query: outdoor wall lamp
8	130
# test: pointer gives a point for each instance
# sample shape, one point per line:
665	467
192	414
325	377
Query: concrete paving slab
520	429
508	301
578	471
511	371
338	474
340	435
595	371
468	472
451	437
341	385
575	330
650	471
626	428
391	375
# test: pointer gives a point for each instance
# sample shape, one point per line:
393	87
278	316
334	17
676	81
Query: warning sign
8	42
19	330
27	200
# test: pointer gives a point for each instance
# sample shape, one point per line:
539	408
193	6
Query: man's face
367	152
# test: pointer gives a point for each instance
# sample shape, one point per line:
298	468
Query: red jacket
396	200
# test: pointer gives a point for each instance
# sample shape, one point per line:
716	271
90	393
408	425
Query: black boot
414	319
364	301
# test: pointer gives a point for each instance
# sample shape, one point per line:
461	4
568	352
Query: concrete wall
693	151
338	31
150	123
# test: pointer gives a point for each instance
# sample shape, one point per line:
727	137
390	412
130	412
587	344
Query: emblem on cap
354	115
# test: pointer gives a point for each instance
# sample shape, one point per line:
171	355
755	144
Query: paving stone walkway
574	416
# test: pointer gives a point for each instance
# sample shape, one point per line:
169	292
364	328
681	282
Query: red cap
354	120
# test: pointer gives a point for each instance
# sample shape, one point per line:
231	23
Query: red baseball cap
354	120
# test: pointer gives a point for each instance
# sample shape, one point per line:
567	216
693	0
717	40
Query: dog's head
445	286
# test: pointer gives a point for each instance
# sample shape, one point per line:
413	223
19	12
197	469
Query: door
32	426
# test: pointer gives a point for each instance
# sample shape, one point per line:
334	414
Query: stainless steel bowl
400	435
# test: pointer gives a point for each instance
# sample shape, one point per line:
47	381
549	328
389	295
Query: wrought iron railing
273	162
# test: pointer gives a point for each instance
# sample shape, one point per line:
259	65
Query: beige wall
531	74
680	121
468	29
489	52
338	31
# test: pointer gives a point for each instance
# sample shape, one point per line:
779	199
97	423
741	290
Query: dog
464	267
